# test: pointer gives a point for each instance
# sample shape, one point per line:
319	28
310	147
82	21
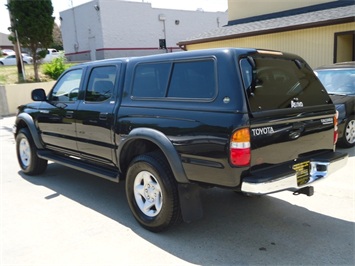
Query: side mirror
38	95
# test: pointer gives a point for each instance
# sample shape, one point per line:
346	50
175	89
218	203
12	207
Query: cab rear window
277	83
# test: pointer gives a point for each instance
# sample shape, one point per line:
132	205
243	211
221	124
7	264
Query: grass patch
2	79
8	75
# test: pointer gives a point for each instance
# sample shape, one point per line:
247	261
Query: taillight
335	138
240	147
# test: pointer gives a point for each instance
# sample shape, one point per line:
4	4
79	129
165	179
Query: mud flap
190	202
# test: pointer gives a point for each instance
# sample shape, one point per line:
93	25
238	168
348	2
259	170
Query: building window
344	46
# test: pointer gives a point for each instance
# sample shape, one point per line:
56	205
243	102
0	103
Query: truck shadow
235	230
350	151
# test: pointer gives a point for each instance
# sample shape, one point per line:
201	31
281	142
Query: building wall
315	45
238	9
122	28
79	26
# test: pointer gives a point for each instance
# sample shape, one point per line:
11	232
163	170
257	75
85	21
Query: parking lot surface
66	217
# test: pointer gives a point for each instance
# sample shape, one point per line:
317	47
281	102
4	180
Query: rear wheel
152	192
27	157
348	138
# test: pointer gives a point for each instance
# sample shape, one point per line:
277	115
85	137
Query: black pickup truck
252	121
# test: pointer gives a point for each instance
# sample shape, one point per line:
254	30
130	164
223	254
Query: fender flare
164	144
28	120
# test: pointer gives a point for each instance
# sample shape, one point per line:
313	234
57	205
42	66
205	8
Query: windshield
277	83
338	81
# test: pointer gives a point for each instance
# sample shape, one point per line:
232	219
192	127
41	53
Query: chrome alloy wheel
148	194
349	133
25	152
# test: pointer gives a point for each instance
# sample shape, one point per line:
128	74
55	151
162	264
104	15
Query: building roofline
339	15
292	12
268	31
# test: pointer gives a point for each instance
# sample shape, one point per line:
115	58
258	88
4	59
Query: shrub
55	68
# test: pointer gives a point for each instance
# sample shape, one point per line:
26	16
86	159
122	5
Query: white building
114	28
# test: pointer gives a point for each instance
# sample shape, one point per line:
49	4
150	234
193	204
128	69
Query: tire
27	157
152	193
347	140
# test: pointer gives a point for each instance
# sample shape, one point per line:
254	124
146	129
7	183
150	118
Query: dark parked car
339	81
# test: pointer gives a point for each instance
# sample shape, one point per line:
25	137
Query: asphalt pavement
66	217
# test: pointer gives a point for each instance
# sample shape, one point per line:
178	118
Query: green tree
33	21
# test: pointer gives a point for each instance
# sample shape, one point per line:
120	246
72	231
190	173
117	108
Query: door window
101	84
67	88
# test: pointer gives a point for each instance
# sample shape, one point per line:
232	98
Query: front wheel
348	138
27	157
152	193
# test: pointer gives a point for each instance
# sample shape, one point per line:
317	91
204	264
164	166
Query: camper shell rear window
277	83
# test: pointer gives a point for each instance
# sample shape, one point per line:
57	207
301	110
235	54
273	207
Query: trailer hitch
309	191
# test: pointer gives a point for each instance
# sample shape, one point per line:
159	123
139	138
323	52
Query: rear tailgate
292	121
279	138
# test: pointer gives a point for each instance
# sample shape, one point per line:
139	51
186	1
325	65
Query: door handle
69	114
103	116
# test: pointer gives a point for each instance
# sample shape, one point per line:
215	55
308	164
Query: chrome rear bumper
280	178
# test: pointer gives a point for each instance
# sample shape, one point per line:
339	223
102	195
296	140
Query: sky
60	5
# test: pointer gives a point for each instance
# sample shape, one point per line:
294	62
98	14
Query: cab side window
150	80
193	80
67	88
178	80
101	84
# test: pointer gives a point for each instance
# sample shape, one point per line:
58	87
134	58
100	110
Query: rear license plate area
302	172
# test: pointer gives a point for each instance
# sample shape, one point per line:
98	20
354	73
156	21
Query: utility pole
17	49
162	18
